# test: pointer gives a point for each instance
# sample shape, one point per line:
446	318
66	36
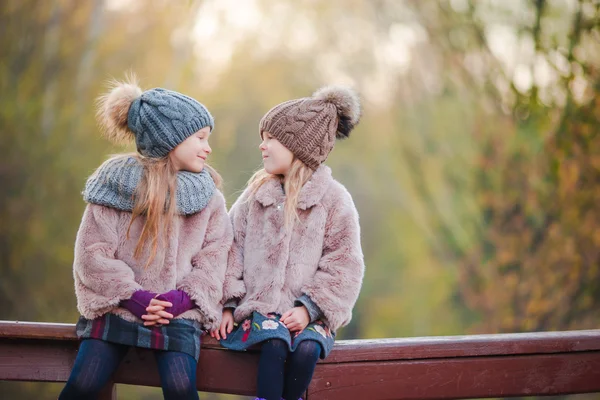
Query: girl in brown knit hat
296	266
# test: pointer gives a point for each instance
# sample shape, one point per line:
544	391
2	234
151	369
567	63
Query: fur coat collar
311	193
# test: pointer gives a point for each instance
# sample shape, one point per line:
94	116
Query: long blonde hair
155	200
155	196
297	176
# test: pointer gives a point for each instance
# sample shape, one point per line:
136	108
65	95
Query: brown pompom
113	108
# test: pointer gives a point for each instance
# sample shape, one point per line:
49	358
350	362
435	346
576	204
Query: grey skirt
180	335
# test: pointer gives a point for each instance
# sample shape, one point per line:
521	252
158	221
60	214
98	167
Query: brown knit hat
309	126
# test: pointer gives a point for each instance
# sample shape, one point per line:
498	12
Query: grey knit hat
309	126
158	119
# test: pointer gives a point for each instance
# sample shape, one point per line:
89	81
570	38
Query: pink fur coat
194	260
269	267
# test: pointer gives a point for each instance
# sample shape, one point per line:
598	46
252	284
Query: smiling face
191	154
277	159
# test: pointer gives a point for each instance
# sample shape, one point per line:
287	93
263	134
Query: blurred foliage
474	169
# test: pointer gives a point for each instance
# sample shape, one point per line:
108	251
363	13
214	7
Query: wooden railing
480	366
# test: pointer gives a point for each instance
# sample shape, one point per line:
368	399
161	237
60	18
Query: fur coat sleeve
335	286
234	288
205	283
101	281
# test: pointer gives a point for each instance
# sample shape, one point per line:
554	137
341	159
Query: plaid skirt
180	335
259	328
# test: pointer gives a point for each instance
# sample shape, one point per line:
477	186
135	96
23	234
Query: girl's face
277	159
190	155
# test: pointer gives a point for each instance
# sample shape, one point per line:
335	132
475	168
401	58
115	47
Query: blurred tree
474	169
534	264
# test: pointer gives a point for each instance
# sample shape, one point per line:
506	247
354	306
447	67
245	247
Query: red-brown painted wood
464	346
381	349
420	368
469	377
36	330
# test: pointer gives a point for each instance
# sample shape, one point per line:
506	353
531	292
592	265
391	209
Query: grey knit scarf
114	184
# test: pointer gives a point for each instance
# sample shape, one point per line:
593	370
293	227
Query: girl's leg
300	368
271	366
96	361
177	375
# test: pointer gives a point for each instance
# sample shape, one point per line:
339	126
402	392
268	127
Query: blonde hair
155	199
155	196
293	182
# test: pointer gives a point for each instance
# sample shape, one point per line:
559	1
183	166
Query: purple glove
181	302
138	302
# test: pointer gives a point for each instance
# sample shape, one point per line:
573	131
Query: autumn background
475	168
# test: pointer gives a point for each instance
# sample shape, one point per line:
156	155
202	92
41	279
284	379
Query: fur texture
269	268
194	261
346	102
113	109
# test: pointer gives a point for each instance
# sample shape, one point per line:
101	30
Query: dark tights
286	374
97	360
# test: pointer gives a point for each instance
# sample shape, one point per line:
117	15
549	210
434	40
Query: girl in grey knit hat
296	265
151	251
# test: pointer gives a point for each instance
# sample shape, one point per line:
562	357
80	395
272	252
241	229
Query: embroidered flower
246	325
246	334
320	330
269	324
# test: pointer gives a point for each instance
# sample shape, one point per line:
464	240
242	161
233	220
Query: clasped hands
156	313
158	309
167	306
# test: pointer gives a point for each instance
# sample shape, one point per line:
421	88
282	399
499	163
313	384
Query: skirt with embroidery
180	335
258	328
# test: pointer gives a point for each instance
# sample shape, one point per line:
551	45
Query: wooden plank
218	371
464	346
470	377
235	373
37	330
48	361
423	368
36	360
383	349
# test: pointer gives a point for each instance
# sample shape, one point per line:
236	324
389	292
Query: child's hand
226	325
156	313
296	319
181	301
